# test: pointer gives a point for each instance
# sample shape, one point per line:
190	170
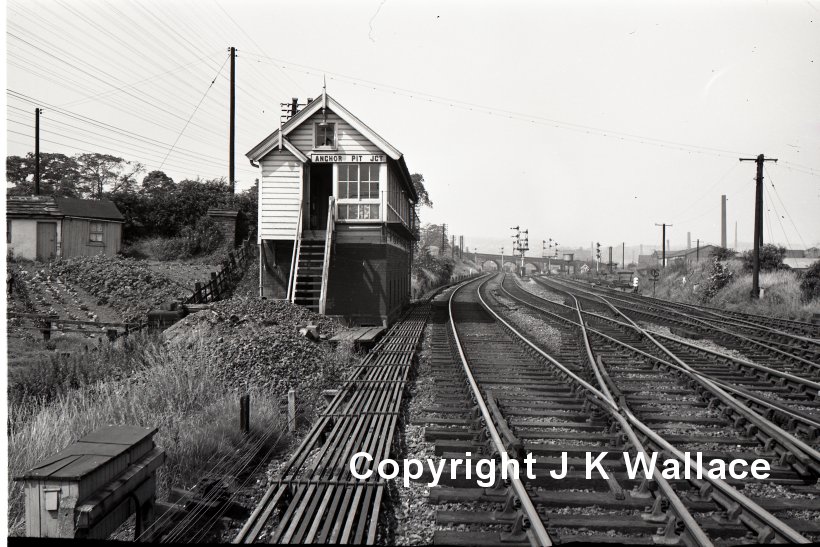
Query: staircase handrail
331	228
294	261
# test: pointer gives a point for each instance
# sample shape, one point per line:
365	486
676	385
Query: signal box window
359	191
95	233
325	135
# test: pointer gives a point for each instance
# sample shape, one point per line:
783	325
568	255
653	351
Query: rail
539	536
331	228
770	409
726	495
294	259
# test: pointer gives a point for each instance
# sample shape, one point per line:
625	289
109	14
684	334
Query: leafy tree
157	182
418	184
99	170
59	175
722	253
771	258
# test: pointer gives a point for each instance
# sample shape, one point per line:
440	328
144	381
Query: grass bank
690	283
174	389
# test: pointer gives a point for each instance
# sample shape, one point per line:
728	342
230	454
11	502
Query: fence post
291	410
197	293
47	330
215	286
245	413
112	334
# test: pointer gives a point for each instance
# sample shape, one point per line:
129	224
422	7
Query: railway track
596	384
315	498
765	339
786	397
548	406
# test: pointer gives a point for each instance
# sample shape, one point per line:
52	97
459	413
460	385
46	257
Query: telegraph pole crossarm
758	235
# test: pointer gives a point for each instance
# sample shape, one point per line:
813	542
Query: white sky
741	77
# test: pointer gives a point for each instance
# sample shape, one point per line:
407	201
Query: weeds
177	391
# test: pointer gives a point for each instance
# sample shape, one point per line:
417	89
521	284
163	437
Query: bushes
203	238
771	258
810	285
718	276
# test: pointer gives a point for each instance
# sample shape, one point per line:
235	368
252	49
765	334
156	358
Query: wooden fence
224	280
48	323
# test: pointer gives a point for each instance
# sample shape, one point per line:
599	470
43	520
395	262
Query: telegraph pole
697	252
231	166
663	242
37	112
758	236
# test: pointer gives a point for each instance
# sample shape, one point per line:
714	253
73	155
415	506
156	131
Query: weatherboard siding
280	194
348	140
76	240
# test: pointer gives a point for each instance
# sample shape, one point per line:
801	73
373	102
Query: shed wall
76	238
24	236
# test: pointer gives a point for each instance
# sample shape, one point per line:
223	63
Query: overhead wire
194	156
193	113
779	220
783	205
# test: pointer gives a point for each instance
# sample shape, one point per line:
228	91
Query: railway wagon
337	217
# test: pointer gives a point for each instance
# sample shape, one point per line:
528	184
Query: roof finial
324	91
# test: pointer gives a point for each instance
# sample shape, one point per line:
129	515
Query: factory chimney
723	220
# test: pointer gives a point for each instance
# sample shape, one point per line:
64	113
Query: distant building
694	254
44	227
802	263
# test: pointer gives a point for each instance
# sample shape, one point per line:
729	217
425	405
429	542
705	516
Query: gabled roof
89	208
39	206
30	206
272	140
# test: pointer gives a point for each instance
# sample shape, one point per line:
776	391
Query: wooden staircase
309	271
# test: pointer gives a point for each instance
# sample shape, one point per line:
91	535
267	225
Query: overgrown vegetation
810	285
203	238
177	390
728	284
771	258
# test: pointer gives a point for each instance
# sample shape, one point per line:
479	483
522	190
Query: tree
59	175
99	170
157	182
771	258
418	184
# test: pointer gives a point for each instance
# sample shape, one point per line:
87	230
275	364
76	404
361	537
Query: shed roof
32	206
39	206
89	208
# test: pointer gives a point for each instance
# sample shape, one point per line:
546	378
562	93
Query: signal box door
46	241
